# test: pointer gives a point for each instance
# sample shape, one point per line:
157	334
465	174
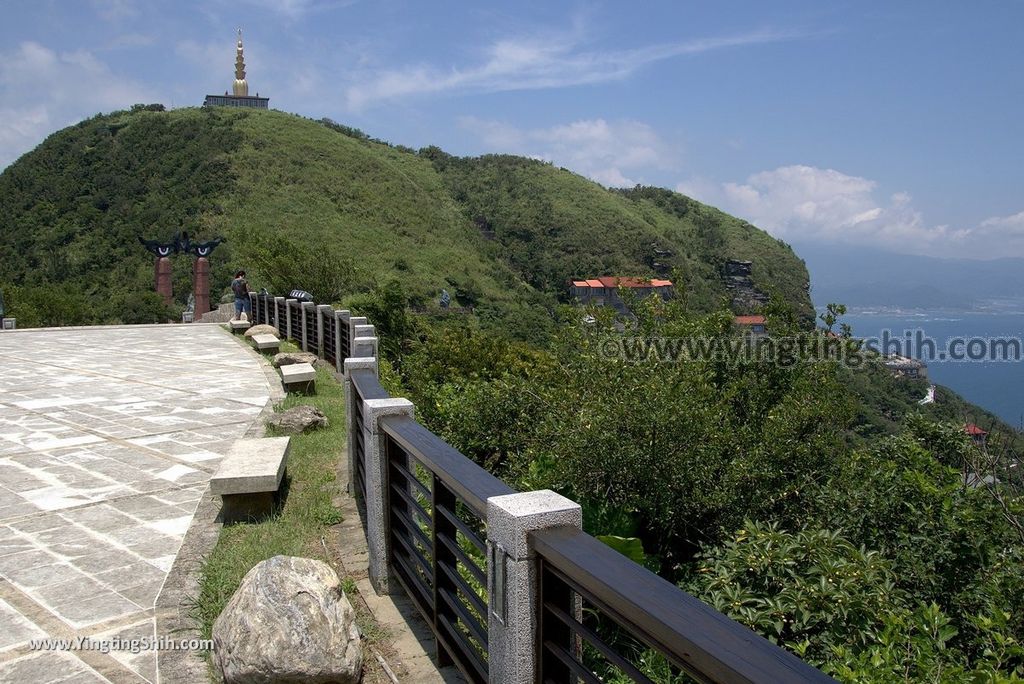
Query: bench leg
245	507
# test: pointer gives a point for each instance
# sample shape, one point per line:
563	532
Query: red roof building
755	324
604	291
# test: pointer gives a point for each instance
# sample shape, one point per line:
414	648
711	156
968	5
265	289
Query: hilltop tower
239	96
241	88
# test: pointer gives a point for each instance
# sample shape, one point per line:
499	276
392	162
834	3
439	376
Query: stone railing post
374	443
307	315
365	346
340	319
363	330
363	341
350	421
322	310
282	327
512	581
288	318
353	321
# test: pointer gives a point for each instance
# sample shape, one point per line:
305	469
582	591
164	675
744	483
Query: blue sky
896	125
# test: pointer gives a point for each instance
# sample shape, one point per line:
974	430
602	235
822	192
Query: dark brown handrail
367	384
693	635
469	481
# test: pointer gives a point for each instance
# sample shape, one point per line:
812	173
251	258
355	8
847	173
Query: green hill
322	207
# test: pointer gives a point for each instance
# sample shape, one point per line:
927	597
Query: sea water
997	386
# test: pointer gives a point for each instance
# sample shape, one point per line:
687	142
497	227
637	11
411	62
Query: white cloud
602	150
545	61
53	90
1010	226
806	203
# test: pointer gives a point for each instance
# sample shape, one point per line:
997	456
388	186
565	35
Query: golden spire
241	88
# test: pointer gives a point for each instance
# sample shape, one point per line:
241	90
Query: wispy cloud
297	9
807	203
538	62
602	150
116	11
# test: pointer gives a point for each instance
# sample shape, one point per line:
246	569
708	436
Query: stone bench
298	375
249	477
239	326
266	343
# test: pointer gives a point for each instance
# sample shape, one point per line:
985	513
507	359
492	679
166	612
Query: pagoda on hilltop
239	96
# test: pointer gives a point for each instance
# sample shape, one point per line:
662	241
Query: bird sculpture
160	249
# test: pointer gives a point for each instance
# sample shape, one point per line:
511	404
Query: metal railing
330	329
294	320
437	506
345	342
364	386
599	612
281	317
262	308
308	334
254	301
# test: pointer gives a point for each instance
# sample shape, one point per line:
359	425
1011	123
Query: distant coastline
1011	306
994	386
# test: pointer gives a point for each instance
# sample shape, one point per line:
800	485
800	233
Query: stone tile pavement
108	437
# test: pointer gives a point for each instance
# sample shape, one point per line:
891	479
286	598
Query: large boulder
298	419
261	329
286	358
289	622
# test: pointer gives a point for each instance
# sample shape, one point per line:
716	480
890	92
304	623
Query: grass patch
299	526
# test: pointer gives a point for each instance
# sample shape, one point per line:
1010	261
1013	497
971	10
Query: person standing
240	287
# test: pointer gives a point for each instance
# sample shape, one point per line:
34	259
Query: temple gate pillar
201	286
162	268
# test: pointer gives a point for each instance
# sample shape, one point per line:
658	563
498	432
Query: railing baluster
442	499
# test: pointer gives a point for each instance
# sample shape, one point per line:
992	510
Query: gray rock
261	329
298	419
289	622
288	358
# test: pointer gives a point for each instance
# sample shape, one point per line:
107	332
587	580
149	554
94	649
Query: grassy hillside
502	234
551	225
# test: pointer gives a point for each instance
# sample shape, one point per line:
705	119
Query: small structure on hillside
604	291
977	435
754	325
904	367
239	96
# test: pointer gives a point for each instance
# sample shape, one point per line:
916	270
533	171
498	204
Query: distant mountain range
865	277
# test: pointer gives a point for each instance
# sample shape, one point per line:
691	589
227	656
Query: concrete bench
249	477
298	374
266	343
239	326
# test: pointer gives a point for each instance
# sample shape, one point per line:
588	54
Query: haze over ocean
996	386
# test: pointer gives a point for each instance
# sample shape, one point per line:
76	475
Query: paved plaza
108	437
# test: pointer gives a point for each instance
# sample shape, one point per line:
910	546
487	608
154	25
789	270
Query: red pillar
201	286
163	279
